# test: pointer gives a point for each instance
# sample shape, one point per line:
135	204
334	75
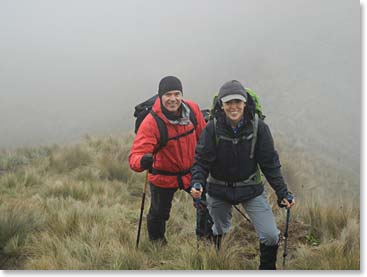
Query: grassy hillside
77	207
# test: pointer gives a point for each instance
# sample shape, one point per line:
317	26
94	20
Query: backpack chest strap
182	135
252	136
235	140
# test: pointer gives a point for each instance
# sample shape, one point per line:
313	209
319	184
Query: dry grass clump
15	182
68	159
67	188
82	235
77	207
19	219
11	160
329	217
112	167
342	253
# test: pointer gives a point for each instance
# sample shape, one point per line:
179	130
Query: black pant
160	207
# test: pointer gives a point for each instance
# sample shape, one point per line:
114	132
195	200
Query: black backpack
144	108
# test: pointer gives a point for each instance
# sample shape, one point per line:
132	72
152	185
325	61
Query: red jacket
176	156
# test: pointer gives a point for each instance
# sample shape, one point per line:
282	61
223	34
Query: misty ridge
70	76
68	71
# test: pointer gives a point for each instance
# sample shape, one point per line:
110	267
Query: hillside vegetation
77	207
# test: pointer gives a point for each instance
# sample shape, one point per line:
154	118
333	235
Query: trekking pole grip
197	187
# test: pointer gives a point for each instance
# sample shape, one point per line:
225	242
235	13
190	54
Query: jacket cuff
281	194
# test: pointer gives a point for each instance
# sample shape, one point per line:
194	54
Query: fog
70	68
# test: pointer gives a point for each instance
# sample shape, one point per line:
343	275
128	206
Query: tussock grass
77	207
83	235
342	253
20	157
25	177
67	188
113	168
18	219
329	217
69	159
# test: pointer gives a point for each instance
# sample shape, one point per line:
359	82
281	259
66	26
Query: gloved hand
196	190
146	161
286	201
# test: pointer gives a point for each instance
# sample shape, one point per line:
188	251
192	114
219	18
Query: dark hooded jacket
230	162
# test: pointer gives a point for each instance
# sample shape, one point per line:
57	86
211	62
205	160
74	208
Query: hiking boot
268	256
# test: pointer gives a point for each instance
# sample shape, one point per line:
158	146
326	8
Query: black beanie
169	83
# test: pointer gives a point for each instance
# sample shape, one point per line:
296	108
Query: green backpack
258	108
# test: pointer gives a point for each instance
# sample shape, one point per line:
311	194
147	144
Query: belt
248	182
167	173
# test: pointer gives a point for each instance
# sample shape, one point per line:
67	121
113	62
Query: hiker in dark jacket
169	168
227	166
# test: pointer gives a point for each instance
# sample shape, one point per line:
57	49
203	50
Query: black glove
288	195
146	161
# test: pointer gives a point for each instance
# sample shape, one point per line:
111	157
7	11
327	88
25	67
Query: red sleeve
144	143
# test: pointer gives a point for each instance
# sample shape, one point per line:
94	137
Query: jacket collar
184	118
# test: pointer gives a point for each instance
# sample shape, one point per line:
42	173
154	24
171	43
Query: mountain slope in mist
70	71
76	207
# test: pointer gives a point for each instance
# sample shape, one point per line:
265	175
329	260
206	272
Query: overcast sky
68	68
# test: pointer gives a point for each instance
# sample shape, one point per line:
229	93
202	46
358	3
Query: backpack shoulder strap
192	115
193	119
163	132
256	124
216	137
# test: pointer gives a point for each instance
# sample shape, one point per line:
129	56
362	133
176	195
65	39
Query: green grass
77	207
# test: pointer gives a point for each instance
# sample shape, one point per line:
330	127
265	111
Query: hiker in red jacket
169	166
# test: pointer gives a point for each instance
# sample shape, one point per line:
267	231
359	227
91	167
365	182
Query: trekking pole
285	252
242	213
142	209
198	187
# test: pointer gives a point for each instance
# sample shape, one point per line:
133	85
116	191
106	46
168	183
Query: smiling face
234	110
172	100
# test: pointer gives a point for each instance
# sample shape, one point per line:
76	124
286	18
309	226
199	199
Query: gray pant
259	211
